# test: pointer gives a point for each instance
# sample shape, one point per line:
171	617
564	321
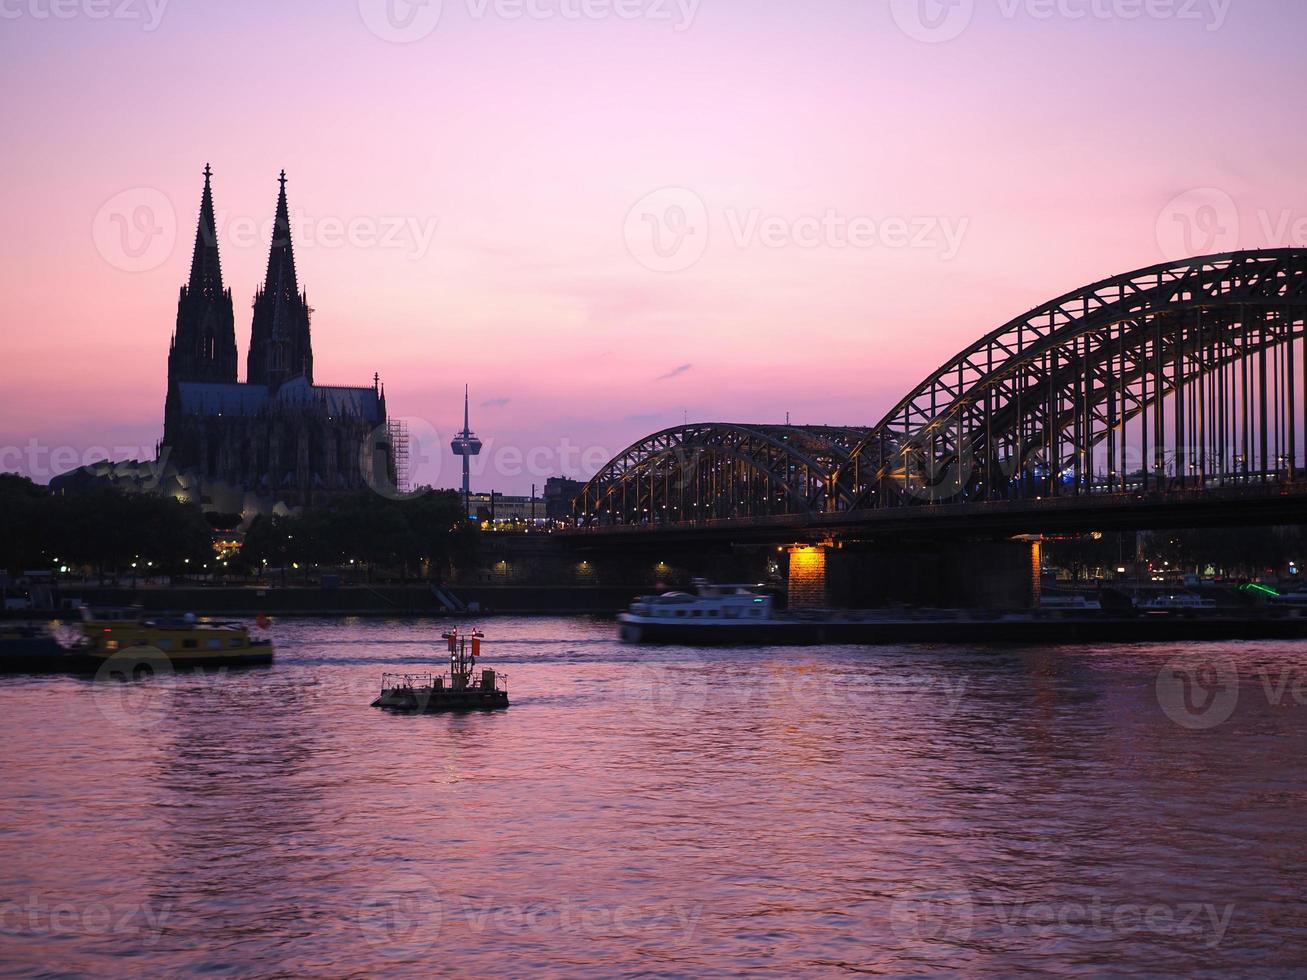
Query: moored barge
735	615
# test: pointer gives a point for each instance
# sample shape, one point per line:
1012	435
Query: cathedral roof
361	402
214	398
206	398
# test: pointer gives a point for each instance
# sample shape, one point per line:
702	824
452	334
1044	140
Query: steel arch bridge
719	471
1183	376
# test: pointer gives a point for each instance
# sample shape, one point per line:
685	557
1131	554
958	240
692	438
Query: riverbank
381	600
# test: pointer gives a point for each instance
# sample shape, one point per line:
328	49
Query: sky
611	216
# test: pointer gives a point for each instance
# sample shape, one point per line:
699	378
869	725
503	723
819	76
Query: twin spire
206	269
280	342
281	259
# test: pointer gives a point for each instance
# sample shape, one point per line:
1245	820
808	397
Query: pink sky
465	199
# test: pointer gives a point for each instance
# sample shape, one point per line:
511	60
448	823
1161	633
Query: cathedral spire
281	259
206	269
203	343
280	343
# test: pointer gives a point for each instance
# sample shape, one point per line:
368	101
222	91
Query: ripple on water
662	811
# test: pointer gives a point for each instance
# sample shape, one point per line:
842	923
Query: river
660	811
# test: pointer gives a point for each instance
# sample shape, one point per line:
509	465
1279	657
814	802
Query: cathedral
276	440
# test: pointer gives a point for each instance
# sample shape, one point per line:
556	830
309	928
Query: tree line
111	532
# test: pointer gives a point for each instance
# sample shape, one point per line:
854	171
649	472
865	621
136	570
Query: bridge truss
719	471
1183	376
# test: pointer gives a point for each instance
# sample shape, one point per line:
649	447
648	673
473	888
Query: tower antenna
467	445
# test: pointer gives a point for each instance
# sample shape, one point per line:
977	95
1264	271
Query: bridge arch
1180	375
719	471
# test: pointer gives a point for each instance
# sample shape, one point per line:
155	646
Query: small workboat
457	691
183	641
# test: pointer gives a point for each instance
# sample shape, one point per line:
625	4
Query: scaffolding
397	433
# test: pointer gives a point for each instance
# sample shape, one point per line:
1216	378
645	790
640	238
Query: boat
1184	602
183	641
1069	604
733	615
725	613
459	690
29	648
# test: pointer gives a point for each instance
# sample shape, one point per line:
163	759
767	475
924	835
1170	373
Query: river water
662	812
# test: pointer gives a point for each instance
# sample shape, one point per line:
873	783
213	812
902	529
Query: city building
277	440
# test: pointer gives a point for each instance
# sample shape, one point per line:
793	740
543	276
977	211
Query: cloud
674	372
495	402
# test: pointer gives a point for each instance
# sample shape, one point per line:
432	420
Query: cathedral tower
203	344
280	345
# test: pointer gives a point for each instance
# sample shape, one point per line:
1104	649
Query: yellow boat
181	641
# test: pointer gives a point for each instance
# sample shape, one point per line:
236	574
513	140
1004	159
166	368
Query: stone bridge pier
1000	574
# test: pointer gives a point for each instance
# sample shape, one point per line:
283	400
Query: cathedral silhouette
276	439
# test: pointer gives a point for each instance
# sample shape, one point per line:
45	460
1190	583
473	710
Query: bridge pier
1001	574
806	580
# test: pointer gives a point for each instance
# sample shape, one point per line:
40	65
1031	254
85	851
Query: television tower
467	445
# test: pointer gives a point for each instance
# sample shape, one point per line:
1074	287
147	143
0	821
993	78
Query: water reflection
661	810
